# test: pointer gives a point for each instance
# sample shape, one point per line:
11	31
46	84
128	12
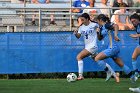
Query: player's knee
78	57
96	59
133	58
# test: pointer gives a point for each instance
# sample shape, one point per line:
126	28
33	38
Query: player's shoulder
94	23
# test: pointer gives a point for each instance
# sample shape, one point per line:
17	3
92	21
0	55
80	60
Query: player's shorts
93	50
112	52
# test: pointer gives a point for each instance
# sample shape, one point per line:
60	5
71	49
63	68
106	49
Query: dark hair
86	16
105	19
135	16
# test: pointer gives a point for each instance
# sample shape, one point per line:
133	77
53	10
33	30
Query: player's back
108	37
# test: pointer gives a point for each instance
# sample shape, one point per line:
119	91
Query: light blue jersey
108	37
112	49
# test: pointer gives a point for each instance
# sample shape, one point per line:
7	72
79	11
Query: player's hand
117	38
97	29
134	35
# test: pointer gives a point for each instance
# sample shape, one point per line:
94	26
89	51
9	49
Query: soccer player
87	29
112	49
135	20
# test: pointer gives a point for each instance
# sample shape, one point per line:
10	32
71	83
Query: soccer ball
71	77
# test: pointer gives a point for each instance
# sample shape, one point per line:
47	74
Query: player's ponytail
105	19
108	19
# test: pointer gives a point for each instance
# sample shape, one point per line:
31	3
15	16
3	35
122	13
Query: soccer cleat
117	78
136	90
80	78
133	78
109	74
137	74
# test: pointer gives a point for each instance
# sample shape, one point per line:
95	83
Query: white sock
114	74
80	67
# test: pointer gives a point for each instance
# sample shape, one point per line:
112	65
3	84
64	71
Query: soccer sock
109	67
135	68
80	67
134	63
126	69
102	64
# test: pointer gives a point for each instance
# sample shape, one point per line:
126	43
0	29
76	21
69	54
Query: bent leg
84	53
118	61
100	56
122	65
99	59
136	53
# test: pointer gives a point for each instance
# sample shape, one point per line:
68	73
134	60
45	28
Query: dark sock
106	69
130	74
137	71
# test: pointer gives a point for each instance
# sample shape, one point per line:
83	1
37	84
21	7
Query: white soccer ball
71	77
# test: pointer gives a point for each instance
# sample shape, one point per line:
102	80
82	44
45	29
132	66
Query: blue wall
52	52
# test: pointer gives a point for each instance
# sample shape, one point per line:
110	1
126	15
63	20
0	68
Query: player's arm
99	36
116	28
78	35
134	35
80	22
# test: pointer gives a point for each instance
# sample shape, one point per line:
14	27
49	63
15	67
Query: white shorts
93	51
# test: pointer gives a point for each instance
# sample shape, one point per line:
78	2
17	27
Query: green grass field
62	86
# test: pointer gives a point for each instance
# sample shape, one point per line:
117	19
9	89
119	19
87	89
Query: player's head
85	18
135	19
102	19
79	20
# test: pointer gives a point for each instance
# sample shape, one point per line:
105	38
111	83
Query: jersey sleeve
79	30
103	31
97	25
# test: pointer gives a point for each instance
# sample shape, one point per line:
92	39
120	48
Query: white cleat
117	77
80	78
136	90
133	78
109	74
